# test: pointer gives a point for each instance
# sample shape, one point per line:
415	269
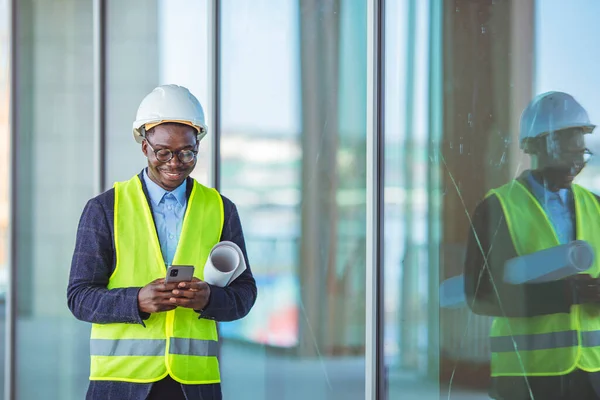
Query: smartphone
179	273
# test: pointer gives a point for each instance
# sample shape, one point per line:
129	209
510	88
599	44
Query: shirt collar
542	193
157	193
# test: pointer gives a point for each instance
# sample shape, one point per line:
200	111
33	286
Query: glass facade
287	86
54	114
410	198
293	145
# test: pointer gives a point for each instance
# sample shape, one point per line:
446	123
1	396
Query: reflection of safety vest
553	344
177	343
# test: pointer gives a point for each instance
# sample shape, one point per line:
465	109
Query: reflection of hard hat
169	103
551	112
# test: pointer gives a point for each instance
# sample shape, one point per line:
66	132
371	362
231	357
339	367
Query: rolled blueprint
224	264
452	292
543	266
550	264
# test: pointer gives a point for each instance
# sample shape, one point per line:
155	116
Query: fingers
191	299
165	287
182	302
161	296
162	300
186	294
196	285
157	305
160	285
194	302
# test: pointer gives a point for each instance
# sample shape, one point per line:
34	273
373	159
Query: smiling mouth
172	175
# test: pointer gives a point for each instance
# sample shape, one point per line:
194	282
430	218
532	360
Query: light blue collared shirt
168	209
558	206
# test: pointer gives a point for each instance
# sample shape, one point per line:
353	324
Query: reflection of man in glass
545	338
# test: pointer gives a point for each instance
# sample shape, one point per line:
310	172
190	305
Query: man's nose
174	161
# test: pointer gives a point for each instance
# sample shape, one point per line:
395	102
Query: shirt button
169	207
171	236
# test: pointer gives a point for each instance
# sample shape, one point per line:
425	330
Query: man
545	337
150	339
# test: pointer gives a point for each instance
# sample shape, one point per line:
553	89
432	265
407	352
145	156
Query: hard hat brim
587	129
139	128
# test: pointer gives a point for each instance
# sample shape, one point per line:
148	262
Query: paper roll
543	266
224	264
550	264
452	292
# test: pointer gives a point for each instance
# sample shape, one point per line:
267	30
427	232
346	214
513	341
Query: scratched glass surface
459	75
293	146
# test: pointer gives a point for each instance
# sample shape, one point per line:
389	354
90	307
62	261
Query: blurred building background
288	144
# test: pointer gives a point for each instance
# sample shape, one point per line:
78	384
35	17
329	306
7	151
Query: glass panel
581	76
409	335
142	56
4	175
459	78
293	160
183	28
132	71
54	181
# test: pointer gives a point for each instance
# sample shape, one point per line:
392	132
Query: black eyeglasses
587	155
581	156
165	155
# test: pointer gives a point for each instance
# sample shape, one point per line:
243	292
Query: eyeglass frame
589	153
178	152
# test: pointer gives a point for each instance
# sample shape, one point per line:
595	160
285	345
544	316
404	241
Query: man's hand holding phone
190	292
587	289
155	297
194	294
178	289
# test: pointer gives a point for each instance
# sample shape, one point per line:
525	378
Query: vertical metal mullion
436	70
380	162
375	388
99	16
214	79
11	304
215	91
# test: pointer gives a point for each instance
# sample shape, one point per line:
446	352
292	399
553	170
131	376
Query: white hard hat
551	112
169	103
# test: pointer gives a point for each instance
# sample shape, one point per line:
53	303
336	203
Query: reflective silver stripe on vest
590	339
127	347
540	341
194	347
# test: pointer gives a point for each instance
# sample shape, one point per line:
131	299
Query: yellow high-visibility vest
177	342
555	344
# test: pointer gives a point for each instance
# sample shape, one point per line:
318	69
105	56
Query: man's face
564	158
174	137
